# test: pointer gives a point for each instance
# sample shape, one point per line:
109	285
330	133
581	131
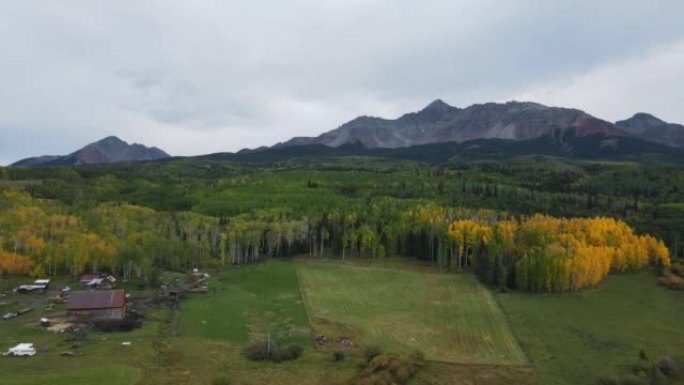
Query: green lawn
104	359
575	338
248	303
114	375
448	317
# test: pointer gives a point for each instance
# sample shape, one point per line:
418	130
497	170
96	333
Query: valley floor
468	334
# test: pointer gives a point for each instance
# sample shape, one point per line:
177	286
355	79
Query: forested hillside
137	219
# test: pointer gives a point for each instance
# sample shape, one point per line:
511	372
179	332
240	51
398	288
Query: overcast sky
200	76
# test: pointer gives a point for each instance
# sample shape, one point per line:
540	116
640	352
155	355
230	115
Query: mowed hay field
248	303
447	317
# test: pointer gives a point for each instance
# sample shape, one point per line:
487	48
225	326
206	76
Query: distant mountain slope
440	123
108	150
561	144
648	127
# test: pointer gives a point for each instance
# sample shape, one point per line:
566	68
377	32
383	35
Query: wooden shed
85	306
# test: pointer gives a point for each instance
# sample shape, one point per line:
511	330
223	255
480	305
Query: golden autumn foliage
559	254
12	263
41	238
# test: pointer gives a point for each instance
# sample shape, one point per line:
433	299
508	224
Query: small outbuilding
99	282
86	306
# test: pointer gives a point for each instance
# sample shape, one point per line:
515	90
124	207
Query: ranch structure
86	306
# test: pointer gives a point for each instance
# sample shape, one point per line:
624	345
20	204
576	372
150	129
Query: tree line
535	253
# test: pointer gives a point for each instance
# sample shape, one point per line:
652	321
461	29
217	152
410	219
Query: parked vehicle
10	315
14	314
23	349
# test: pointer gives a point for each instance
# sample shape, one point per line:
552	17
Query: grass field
575	338
449	318
248	303
571	339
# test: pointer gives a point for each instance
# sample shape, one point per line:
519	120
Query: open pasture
248	303
450	318
577	338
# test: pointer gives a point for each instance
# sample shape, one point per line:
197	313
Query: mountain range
439	132
440	123
108	150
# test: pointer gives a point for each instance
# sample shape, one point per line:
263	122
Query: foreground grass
575	338
245	304
449	318
248	303
115	375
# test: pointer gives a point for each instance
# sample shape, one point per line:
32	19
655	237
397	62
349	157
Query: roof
23	346
96	299
89	277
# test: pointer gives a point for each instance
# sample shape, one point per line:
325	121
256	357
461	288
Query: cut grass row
450	318
248	303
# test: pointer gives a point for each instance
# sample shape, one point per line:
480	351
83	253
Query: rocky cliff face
440	122
108	150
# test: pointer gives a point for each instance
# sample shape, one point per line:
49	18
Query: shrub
372	352
388	369
677	269
339	355
291	353
672	281
667	366
417	355
262	350
607	381
655	376
633	380
265	350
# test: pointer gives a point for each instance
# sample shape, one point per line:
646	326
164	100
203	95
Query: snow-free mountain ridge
108	150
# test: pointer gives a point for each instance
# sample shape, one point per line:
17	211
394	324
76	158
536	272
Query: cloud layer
205	76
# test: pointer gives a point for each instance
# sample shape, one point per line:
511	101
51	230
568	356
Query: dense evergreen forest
501	219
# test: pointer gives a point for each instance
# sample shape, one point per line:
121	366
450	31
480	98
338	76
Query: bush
633	380
655	376
387	369
262	350
372	352
339	355
607	381
677	269
291	353
672	281
667	366
417	355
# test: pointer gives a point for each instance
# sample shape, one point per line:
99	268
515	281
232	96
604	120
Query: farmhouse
84	306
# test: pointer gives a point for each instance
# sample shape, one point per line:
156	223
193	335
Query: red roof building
85	306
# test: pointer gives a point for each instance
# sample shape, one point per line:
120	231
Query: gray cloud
206	76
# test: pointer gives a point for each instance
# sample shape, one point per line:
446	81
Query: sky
204	76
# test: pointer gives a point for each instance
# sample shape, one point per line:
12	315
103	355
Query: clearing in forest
450	318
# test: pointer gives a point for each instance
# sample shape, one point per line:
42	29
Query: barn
85	306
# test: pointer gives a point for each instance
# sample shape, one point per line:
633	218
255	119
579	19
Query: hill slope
648	127
108	150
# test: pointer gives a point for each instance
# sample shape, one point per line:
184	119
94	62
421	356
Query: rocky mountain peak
107	150
640	122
